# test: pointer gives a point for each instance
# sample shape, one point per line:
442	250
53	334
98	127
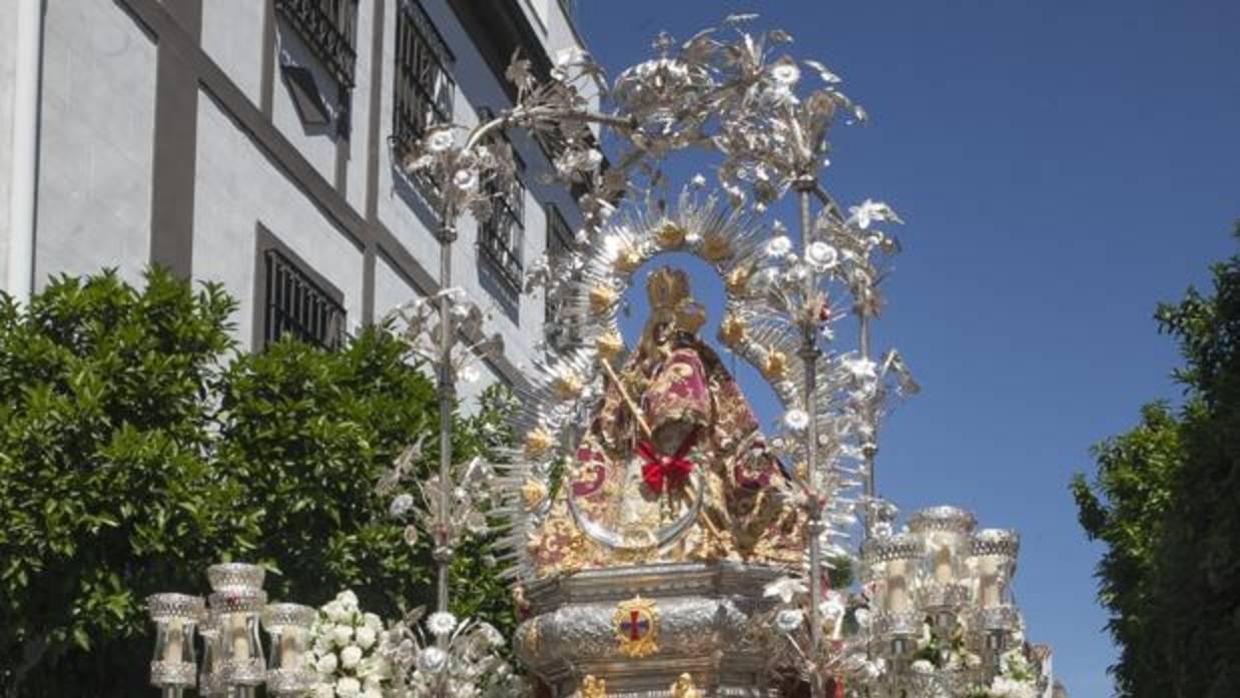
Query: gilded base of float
640	628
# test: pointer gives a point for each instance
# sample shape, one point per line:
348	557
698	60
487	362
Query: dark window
502	236
424	86
559	244
297	306
329	28
559	241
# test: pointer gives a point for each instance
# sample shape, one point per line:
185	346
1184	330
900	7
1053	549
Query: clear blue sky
1062	165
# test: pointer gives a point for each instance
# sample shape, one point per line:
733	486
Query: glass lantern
943	592
288	624
174	666
210	682
237	601
994	552
891	562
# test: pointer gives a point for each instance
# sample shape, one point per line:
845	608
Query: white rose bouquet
345	651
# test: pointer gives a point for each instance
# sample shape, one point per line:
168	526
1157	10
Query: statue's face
662	332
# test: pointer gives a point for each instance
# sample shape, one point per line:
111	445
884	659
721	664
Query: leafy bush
137	447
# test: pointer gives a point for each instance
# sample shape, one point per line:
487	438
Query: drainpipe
25	152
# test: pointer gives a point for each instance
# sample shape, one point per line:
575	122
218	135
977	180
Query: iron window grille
297	306
424	86
502	235
559	242
329	28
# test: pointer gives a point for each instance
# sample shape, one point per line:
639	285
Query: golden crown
667	288
670	299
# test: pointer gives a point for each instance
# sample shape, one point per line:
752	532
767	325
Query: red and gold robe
633	485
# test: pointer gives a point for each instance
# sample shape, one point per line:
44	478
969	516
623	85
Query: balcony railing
329	28
297	306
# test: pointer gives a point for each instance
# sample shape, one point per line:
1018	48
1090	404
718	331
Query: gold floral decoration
737	279
567	385
602	297
538	442
775	365
627	260
609	344
683	687
715	248
592	687
732	330
533	493
670	235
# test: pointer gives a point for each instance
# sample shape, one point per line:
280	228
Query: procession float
660	539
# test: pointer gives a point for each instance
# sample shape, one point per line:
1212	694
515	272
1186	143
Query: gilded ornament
567	385
715	248
533	493
669	235
684	687
538	442
775	365
627	260
602	297
732	330
592	687
609	345
737	279
636	624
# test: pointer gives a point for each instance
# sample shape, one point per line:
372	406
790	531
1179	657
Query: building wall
8	79
97	114
237	190
169	134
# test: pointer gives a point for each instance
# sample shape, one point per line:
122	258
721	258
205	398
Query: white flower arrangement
345	651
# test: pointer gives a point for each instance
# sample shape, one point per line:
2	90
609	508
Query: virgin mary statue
672	466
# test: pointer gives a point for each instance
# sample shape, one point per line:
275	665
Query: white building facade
257	143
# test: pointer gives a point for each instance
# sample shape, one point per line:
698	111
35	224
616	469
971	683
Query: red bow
658	469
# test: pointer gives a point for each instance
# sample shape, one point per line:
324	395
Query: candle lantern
945	530
174	666
994	553
892	562
237	600
289	626
210	681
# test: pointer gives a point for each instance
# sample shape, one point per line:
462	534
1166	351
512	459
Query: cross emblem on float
636	624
